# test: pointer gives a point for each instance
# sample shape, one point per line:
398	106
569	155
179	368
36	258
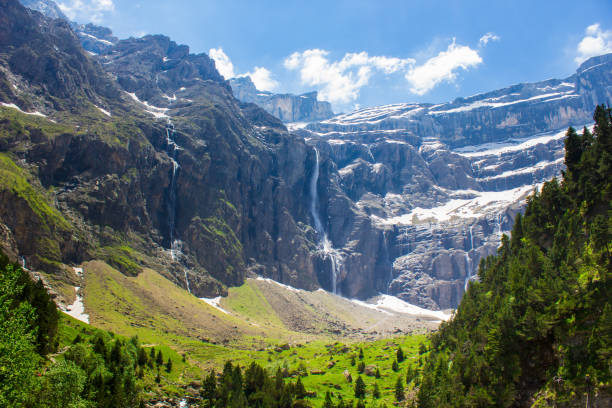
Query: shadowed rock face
286	107
240	180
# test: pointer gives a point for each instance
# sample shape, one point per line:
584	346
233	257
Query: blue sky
365	53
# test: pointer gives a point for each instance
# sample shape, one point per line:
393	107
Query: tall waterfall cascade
325	246
468	259
172	149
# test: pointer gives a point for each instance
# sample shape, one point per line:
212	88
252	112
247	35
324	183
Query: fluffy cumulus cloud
484	40
222	62
443	67
262	78
86	10
595	42
340	81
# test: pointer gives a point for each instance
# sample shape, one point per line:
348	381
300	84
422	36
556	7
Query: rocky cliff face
144	158
431	188
286	107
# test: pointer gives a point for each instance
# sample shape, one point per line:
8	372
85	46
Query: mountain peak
48	8
593	62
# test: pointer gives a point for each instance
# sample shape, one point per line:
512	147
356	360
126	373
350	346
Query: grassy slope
315	355
161	314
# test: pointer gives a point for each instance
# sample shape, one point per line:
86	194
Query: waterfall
187	281
171	149
468	259
325	245
22	261
370	154
175	244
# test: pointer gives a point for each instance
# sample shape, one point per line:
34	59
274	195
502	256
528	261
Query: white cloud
340	81
262	78
442	67
595	42
86	10
484	40
222	62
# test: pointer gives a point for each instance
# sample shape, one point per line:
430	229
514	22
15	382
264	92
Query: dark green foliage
540	316
361	367
45	316
360	388
159	360
256	388
18	358
399	354
394	365
169	365
109	368
399	389
328	401
375	391
96	371
63	386
377	374
360	353
353	360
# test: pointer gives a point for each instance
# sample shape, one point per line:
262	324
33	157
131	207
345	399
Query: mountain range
138	153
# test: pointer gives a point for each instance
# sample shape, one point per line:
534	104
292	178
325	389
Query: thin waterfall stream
325	245
468	259
172	149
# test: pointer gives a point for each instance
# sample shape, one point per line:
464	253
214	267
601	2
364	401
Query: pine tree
376	391
360	353
394	365
209	389
399	389
142	357
400	354
360	388
328	401
168	365
159	359
300	391
361	367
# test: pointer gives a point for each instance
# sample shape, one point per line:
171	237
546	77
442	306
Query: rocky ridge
441	183
146	159
286	107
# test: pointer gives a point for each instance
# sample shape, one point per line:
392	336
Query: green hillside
536	330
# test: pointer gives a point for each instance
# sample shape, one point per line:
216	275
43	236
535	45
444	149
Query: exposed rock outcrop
286	107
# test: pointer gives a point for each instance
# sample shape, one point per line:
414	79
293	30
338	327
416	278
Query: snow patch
488	103
483	202
397	305
293	126
511	145
527	170
291	288
12	105
159	113
96	38
391	305
107	113
77	309
216	303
